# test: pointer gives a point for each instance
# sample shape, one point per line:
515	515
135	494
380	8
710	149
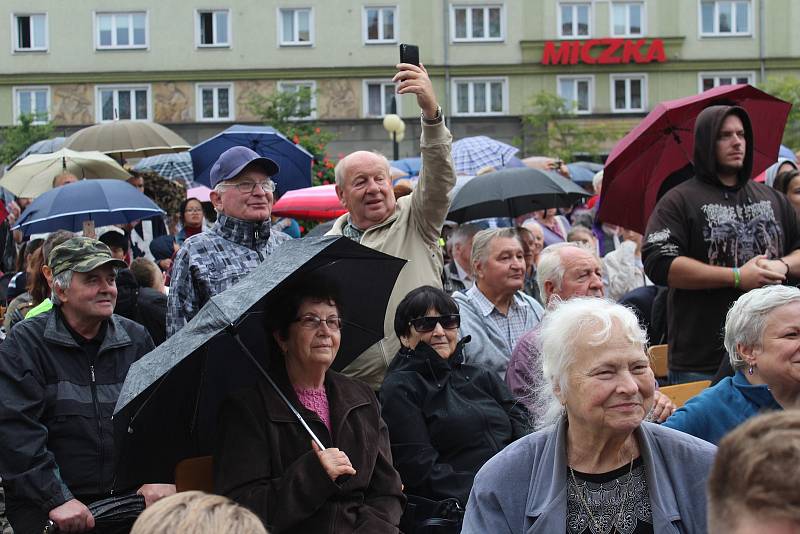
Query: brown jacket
264	460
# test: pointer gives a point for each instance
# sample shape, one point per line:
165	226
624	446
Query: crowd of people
511	390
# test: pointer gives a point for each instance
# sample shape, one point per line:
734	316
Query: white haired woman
762	338
596	467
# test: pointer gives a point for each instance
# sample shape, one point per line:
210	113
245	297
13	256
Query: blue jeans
681	377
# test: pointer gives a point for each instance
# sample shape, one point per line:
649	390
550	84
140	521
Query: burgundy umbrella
664	143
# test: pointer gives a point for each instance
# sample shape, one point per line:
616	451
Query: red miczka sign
607	51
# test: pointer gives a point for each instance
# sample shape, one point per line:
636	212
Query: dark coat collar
55	331
250	234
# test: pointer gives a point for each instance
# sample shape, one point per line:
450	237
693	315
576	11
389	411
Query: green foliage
15	139
557	132
787	88
283	110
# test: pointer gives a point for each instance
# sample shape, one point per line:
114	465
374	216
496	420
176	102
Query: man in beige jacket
408	228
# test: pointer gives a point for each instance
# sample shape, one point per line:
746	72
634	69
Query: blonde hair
198	513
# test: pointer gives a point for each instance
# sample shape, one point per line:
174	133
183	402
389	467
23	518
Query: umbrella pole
235	334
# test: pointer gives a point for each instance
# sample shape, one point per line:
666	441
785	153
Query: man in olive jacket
408	228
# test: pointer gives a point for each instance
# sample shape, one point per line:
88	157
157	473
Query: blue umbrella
411	166
471	154
786	152
176	166
582	172
294	160
102	201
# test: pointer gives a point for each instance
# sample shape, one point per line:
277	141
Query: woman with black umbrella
265	459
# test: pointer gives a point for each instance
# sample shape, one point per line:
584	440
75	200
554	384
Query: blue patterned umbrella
170	166
471	154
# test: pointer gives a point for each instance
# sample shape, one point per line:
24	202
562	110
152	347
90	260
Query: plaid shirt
512	325
210	262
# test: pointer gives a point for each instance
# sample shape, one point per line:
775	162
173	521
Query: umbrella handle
233	331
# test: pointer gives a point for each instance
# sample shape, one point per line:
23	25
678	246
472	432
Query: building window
709	80
722	18
627	19
296	27
477	23
380	24
123	103
573	20
480	97
378	98
33	101
577	92
30	32
628	93
213	28
121	30
308	100
214	102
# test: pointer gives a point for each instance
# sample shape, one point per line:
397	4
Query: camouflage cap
81	255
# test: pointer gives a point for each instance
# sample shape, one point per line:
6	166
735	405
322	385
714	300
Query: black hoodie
718	225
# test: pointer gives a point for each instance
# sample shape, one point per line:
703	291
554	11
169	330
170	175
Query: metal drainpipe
446	27
761	38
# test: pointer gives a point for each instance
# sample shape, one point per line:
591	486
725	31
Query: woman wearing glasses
192	220
266	461
446	417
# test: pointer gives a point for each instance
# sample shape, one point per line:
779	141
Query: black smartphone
409	53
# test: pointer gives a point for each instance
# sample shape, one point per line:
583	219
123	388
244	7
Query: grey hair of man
482	240
63	280
463	233
747	318
341	167
550	266
582	323
597	182
532	223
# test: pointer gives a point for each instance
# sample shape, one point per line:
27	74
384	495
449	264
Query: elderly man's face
503	270
90	296
367	189
64	179
583	275
253	207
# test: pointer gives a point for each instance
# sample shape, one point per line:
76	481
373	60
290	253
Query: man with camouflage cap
60	374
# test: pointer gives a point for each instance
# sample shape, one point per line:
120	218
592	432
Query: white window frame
587	77
23	88
574	4
312	84
469	8
627	32
122	87
751	75
295	10
198	30
145	46
199	87
15	33
365	98
365	24
642	77
716	32
481	79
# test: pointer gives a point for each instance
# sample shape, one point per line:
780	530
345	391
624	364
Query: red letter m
554	56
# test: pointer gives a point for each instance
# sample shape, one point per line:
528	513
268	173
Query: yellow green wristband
737	278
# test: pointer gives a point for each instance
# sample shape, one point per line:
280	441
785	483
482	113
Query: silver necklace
585	504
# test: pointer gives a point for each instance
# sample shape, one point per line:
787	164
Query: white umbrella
34	174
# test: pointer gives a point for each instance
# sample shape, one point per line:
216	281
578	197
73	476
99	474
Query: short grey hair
747	318
464	232
63	280
340	168
583	321
550	266
532	223
597	180
482	240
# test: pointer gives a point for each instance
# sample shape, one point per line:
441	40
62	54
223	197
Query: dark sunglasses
427	324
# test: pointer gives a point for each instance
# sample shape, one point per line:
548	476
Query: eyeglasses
427	324
312	322
246	188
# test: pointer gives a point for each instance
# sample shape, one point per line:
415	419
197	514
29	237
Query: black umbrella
320	229
168	405
111	515
513	192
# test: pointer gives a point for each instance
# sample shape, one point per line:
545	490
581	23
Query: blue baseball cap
231	162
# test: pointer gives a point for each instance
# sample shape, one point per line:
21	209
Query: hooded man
715	236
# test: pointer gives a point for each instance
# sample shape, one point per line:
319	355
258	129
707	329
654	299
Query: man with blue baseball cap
210	262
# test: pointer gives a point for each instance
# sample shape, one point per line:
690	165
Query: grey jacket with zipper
56	434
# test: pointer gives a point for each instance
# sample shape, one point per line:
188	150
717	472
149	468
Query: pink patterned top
316	400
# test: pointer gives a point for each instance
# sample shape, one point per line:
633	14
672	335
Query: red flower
316	130
319	174
296	140
325	182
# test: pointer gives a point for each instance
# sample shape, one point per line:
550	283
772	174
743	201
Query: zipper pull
91	372
256	234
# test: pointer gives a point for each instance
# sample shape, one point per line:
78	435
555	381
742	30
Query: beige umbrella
34	174
127	139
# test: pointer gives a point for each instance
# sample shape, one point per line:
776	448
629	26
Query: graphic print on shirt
735	234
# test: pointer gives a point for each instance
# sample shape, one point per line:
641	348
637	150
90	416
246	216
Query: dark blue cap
231	162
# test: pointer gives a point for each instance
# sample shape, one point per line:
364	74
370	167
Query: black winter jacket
446	418
56	434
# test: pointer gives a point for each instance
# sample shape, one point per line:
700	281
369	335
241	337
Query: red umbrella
318	203
664	143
